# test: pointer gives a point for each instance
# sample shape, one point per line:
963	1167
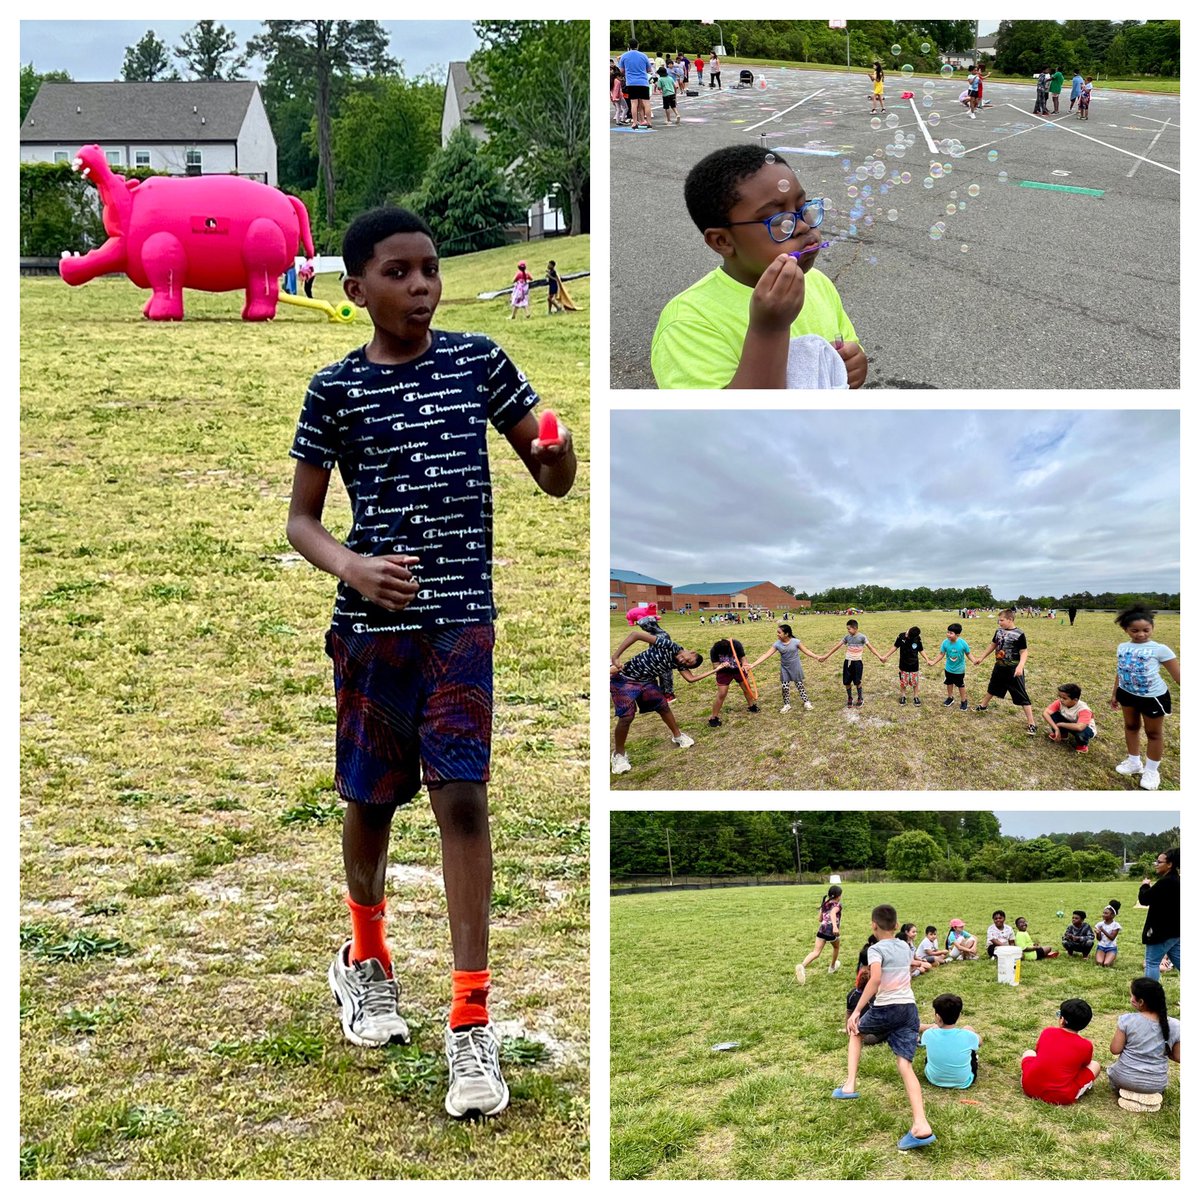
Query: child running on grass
1070	719
829	929
910	646
634	688
955	651
1145	1040
789	648
729	654
412	631
1141	695
1062	1067
951	1050
1008	673
1107	930
852	668
893	1015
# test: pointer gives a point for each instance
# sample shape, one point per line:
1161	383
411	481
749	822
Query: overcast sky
95	50
1034	824
1024	501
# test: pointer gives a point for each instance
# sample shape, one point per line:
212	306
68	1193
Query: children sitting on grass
1031	948
888	1007
1145	1040
908	935
999	933
961	943
928	950
1070	719
1107	929
1078	937
951	1050
1062	1067
763	318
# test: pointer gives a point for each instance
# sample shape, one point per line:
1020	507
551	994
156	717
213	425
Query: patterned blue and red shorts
635	695
411	708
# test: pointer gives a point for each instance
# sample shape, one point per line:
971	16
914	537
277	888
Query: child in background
520	293
951	1050
972	91
307	274
1078	937
1140	694
876	80
887	1007
908	935
616	95
664	84
852	667
1071	721
1107	929
1145	1040
698	63
955	651
909	644
727	654
1030	947
928	950
1085	98
1008	674
829	929
763	318
960	942
999	933
789	648
1061	1069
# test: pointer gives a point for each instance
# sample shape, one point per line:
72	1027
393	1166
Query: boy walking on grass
1008	673
404	418
888	1008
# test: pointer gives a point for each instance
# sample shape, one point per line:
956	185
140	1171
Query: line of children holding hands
1060	1070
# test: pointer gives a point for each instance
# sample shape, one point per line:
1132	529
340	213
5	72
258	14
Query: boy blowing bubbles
734	328
405	420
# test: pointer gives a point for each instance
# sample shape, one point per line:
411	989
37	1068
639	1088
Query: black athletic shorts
1148	706
852	672
668	102
956	679
1004	683
638	92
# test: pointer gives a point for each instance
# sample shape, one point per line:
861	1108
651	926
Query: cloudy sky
95	50
1034	824
1024	501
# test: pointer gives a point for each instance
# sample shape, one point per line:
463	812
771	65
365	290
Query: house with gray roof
181	127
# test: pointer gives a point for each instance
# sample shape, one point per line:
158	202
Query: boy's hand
778	296
852	1023
385	580
550	453
1054	736
855	358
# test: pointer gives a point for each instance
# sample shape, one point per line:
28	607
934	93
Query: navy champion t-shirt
410	443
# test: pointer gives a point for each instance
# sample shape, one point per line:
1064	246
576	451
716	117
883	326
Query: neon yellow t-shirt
699	338
1025	941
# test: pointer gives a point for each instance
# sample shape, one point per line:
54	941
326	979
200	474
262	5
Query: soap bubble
934	118
993	155
907	70
876	123
893	215
867	189
906	177
784	186
896	50
947	168
852	231
964	247
962	206
946	71
892	121
868	221
935	233
954	195
928	183
872	260
973	190
927	101
879	170
852	191
927	86
845	164
935	169
951	209
1002	177
861	172
770	159
924	47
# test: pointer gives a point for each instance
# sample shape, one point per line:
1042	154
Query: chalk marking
1061	187
1133	170
776	116
1130	153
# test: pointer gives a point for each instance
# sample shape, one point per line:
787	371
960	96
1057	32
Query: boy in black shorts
404	418
1008	674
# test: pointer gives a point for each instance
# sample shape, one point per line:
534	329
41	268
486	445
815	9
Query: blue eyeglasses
782	225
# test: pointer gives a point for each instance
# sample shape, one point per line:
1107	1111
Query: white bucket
835	879
1007	958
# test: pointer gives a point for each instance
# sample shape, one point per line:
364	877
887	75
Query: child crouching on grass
893	1015
951	1050
412	631
1070	719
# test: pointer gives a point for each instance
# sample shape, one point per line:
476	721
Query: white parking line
776	116
1133	170
1141	158
928	139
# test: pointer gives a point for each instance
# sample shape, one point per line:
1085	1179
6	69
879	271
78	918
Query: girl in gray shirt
789	648
1146	1039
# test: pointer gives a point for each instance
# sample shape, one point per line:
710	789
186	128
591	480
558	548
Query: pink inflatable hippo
215	233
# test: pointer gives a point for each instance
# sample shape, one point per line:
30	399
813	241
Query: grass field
181	867
884	745
763	1110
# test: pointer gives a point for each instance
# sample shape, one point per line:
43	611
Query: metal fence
630	885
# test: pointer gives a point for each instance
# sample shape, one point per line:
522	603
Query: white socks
1135	760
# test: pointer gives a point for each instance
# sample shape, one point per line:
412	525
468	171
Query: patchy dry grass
181	866
763	1110
882	744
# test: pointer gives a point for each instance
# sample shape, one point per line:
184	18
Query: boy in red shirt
1062	1068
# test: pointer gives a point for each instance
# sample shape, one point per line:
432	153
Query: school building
757	593
628	589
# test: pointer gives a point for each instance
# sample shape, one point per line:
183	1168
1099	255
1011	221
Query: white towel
814	363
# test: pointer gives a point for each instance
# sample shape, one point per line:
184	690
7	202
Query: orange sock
468	1005
368	933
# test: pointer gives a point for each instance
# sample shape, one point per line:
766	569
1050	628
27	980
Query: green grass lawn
180	839
884	745
692	969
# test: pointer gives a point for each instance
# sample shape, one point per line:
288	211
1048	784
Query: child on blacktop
412	631
1070	719
1062	1067
852	668
1008	673
1141	695
789	648
764	318
1085	98
664	84
876	81
951	1050
887	1007
956	651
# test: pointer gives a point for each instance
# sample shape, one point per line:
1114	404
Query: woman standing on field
829	929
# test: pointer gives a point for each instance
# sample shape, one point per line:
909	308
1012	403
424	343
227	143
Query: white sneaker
786	708
1149	781
477	1087
808	704
621	764
1128	768
801	974
367	998
837	966
683	741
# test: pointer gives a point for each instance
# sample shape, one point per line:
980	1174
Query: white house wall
256	144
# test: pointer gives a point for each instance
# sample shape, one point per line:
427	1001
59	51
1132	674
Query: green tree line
1114	48
875	597
918	845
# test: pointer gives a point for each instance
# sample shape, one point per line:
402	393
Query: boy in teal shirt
665	84
955	651
739	325
951	1058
